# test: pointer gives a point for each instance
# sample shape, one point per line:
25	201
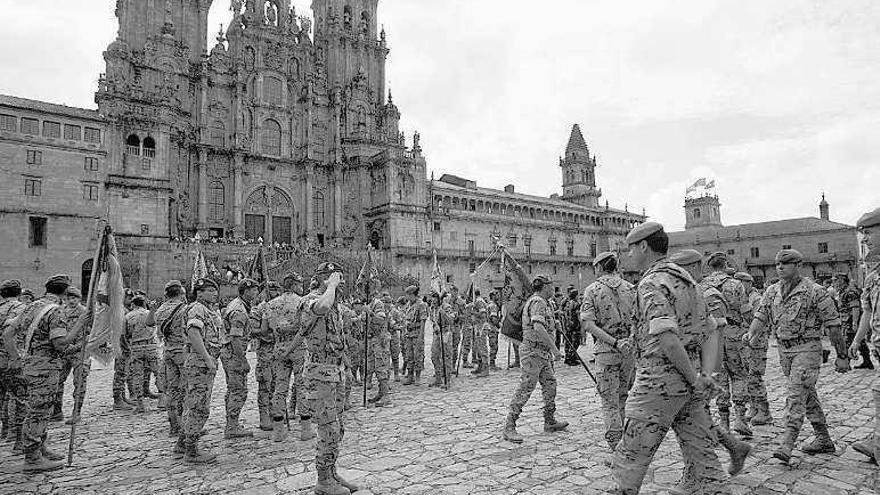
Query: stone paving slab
435	442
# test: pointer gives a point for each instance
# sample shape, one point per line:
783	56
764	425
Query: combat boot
783	452
408	379
279	430
194	455
551	425
418	378
306	430
128	400
822	444
736	449
139	406
349	486
50	454
866	449
150	395
235	430
34	462
396	375
509	433
163	402
740	425
762	415
328	485
265	420
383	398
724	418
120	404
179	449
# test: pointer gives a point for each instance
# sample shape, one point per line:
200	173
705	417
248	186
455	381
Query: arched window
218	134
149	147
216	200
318	206
133	145
271	142
272	91
346	17
697	213
365	22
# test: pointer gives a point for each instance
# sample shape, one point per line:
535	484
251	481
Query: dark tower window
133	145
697	213
149	147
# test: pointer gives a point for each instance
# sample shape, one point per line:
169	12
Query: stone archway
269	214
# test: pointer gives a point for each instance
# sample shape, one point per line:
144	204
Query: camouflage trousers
71	363
689	419
733	375
537	367
13	386
493	346
480	347
414	349
615	373
325	395
144	360
175	385
236	368
438	354
197	403
265	376
467	341
756	389
355	351
802	371
394	348
377	357
456	340
41	376
121	373
289	362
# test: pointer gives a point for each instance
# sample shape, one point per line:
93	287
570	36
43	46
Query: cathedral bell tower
579	172
702	211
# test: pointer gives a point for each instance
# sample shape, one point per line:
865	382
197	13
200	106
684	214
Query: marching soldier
607	313
171	321
73	310
13	388
479	316
494	311
759	410
849	307
672	375
416	314
798	309
265	344
537	353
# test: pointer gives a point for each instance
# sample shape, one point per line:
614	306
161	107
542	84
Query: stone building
274	134
828	247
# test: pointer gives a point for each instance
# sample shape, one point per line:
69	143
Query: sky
777	101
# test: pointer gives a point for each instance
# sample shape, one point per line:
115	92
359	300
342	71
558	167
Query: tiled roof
775	228
44	107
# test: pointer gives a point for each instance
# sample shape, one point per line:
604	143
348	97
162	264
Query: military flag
517	288
368	276
200	269
257	271
436	276
107	297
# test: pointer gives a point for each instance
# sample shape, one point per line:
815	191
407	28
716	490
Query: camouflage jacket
324	340
136	329
416	314
536	311
871	303
733	303
848	302
282	315
9	310
800	314
175	333
610	303
236	316
51	325
378	318
396	319
209	324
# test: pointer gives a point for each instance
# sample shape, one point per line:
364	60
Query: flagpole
100	253
440	325
367	309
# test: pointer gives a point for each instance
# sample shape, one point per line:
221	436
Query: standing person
264	340
35	341
869	227
141	338
204	326
849	307
468	317
759	411
677	355
377	352
572	327
13	388
458	322
416	314
233	355
731	312
395	325
479	316
537	353
171	321
798	309
494	311
443	358
608	314
70	361
324	375
121	365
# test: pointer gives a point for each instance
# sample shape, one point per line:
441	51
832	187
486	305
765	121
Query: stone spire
824	210
576	142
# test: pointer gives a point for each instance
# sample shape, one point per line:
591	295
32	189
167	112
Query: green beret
716	256
542	278
275	285
328	267
205	283
789	256
642	232
743	276
295	277
59	279
73	291
604	256
173	283
412	289
10	284
686	257
27	292
869	219
248	283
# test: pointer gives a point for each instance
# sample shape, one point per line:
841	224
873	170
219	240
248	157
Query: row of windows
35	157
33	187
51	129
527	212
755	252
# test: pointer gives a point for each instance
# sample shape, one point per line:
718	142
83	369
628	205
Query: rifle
586	368
442	348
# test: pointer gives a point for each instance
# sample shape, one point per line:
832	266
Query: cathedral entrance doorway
268	215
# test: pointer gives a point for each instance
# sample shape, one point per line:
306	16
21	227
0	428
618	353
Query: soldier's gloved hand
841	365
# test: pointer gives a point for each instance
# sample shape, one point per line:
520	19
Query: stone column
203	191
337	200
237	192
309	191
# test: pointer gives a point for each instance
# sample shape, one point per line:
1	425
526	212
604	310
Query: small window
571	270
553	249
471	247
472	267
146	163
512	240
570	249
33	187
823	248
436	226
593	250
697	213
51	129
786	246
90	192
91	164
72	132
37	232
755	252
30	126
8	123
453	236
34	157
149	147
731	251
555	270
92	135
145	229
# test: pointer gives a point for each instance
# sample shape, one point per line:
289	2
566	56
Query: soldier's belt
789	343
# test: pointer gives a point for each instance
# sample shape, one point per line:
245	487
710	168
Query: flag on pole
200	269
436	276
517	288
257	270
103	343
368	274
710	184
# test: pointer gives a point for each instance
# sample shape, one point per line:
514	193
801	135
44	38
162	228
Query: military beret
412	289
10	284
205	283
542	279
571	289
717	256
129	293
275	285
328	267
604	256
686	257
743	276
73	291
173	283
642	232
27	292
59	279
401	300
869	219
730	271
789	256
140	298
248	283
296	277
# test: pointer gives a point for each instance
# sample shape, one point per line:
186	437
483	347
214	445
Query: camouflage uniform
798	313
730	303
354	333
467	334
609	302
536	360
377	335
572	328
13	388
458	322
144	350
492	333
756	390
479	316
234	343
70	362
396	327
171	318
667	300
416	314
871	310
442	319
265	370
121	369
199	378
283	314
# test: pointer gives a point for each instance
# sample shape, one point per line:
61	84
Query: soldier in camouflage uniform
324	374
396	327
442	316
869	226
731	310
479	316
416	314
141	338
234	341
264	341
459	320
537	353
759	410
121	365
607	313
494	311
797	309
849	307
35	341
73	309
677	353
355	342
171	325
204	327
377	351
13	388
